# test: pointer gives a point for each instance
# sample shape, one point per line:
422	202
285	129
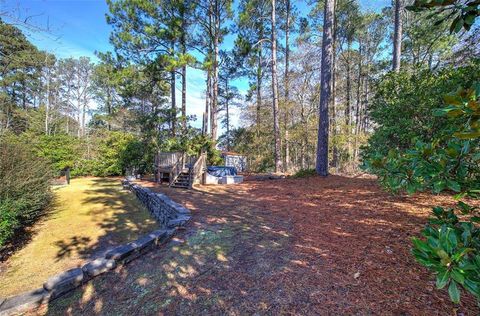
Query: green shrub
451	161
137	155
450	246
429	166
193	143
112	153
451	249
104	153
109	154
60	150
214	157
303	173
402	109
24	189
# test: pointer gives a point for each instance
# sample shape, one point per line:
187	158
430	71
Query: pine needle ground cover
310	246
88	216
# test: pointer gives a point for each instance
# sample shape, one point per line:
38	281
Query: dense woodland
372	81
77	106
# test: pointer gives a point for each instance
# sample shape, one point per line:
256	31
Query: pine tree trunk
305	135
79	117
287	86
359	98
173	121
183	43
335	154
349	89
184	87
397	36
184	98
325	87
348	109
84	111
47	103
276	125
227	110
109	109
214	103
365	107
207	105
259	88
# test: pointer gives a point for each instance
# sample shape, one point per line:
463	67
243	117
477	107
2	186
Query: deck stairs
183	170
183	180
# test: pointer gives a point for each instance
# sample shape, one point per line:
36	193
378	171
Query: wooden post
155	169
67	175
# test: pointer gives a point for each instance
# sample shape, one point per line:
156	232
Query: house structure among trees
236	160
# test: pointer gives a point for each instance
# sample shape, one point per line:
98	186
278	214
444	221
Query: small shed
235	160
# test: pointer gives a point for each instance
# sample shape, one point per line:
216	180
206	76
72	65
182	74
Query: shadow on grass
125	223
23	235
275	247
85	220
74	245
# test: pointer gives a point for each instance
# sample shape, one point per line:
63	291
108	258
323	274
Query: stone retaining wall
167	213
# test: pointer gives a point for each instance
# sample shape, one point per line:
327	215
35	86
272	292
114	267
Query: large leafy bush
24	187
451	249
450	161
402	109
104	153
451	245
61	150
111	156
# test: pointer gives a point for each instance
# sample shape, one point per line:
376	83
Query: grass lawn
88	217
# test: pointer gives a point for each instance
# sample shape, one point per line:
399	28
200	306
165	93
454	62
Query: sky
78	28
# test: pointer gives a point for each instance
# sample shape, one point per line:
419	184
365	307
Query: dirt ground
313	246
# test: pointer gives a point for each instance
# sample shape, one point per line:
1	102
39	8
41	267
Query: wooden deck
165	161
179	169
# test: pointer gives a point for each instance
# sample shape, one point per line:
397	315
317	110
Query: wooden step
182	181
181	186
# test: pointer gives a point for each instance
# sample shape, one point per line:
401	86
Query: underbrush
24	189
303	173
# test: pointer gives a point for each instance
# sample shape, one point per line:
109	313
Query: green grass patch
89	216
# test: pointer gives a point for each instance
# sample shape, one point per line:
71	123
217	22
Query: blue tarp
222	171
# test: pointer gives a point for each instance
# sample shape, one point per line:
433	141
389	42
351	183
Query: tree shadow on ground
304	246
107	216
74	245
24	234
126	222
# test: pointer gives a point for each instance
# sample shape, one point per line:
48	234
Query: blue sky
78	28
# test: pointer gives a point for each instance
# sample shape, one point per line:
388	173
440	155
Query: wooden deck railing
197	170
177	162
168	159
177	168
